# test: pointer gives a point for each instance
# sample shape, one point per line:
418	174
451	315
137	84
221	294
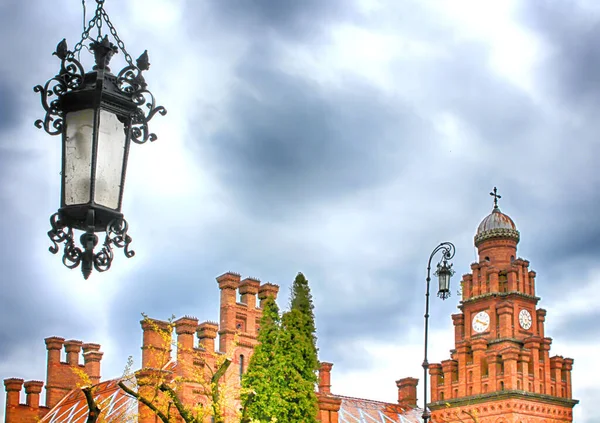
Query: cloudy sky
341	138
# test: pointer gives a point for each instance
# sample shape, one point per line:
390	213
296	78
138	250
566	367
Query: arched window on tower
241	366
503	282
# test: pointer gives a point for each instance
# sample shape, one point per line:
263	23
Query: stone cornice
503	395
498	294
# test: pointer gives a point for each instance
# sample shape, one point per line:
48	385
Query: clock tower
500	370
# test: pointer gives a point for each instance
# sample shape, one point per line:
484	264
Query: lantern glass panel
444	280
77	172
110	160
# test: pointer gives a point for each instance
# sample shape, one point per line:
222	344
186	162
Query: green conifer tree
282	370
301	300
260	384
298	383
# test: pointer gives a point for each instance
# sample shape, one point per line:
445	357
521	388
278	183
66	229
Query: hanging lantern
444	273
98	115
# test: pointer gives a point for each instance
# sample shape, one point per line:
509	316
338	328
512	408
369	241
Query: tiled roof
115	404
358	410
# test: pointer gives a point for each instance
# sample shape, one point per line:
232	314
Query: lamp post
444	272
97	114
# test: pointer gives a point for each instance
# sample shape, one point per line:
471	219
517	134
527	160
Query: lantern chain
96	21
120	43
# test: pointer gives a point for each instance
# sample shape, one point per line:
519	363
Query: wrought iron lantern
444	273
98	115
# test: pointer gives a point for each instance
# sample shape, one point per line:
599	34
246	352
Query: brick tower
500	370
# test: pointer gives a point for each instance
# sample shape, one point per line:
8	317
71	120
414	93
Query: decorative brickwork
500	368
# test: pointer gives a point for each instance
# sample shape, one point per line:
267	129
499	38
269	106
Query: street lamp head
98	114
444	273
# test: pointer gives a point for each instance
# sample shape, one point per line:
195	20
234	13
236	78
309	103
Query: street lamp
98	114
444	272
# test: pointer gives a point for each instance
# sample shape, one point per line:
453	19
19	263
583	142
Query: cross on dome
496	196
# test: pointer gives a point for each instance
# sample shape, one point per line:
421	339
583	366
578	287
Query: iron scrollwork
73	256
131	82
69	78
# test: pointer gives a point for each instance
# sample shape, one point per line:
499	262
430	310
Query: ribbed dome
496	225
496	220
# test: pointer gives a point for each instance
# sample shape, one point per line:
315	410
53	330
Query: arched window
501	386
241	365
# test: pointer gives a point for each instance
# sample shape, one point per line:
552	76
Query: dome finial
496	196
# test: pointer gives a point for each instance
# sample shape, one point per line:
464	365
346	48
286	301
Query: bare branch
144	401
95	411
183	411
215	390
244	418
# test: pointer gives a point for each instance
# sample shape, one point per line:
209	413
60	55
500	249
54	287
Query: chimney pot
73	348
325	377
13	388
33	388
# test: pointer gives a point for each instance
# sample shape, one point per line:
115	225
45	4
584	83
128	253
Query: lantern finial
103	52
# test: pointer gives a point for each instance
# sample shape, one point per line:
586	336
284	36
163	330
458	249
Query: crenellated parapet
240	320
82	365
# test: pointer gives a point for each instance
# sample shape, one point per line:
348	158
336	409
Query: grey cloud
288	19
571	33
296	142
578	328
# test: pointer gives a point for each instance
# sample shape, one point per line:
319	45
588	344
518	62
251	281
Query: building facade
195	353
501	369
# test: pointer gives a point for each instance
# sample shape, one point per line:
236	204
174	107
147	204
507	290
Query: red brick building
240	313
500	368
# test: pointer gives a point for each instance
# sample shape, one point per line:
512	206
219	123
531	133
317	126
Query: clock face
481	322
525	319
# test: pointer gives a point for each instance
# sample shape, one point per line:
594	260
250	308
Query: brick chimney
407	392
207	333
185	328
54	345
73	349
325	378
91	358
267	290
28	412
156	344
33	389
13	388
329	405
248	290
